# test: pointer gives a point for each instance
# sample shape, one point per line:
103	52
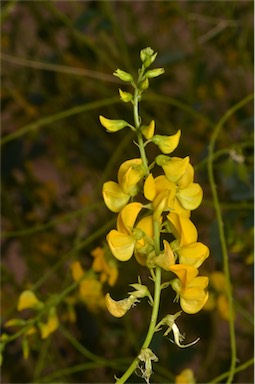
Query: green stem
155	309
226	267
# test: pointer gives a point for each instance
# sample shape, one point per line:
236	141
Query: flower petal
191	196
114	198
121	245
193	254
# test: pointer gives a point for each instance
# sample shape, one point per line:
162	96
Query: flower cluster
144	201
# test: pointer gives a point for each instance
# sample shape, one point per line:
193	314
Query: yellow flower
193	254
180	172
122	241
52	324
91	294
129	175
77	270
117	195
28	300
189	287
114	197
119	308
182	228
167	144
185	377
174	167
112	125
108	269
148	130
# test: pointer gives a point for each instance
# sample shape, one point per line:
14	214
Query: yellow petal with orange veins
117	308
191	196
121	245
149	188
114	198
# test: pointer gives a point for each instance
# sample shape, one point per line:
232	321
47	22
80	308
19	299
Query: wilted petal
118	308
114	198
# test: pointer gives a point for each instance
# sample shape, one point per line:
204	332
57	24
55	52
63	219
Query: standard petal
114	198
121	245
193	254
127	217
150	188
167	144
191	196
182	228
186	273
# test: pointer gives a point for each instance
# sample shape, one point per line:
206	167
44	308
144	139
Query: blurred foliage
57	63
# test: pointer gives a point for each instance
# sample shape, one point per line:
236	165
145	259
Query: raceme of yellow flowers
140	198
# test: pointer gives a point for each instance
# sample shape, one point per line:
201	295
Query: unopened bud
154	72
125	96
122	75
112	125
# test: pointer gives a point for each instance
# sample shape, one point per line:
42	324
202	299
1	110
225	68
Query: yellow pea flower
107	268
185	377
114	197
174	167
148	130
28	300
129	175
167	144
190	288
190	197
122	241
193	254
182	228
112	125
91	294
144	247
52	324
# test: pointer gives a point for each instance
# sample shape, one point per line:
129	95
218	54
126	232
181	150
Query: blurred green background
57	63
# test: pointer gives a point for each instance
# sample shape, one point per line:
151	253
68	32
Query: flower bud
125	96
144	84
167	144
148	56
154	73
28	300
148	130
122	75
112	125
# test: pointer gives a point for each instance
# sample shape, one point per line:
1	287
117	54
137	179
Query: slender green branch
226	267
58	116
241	368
